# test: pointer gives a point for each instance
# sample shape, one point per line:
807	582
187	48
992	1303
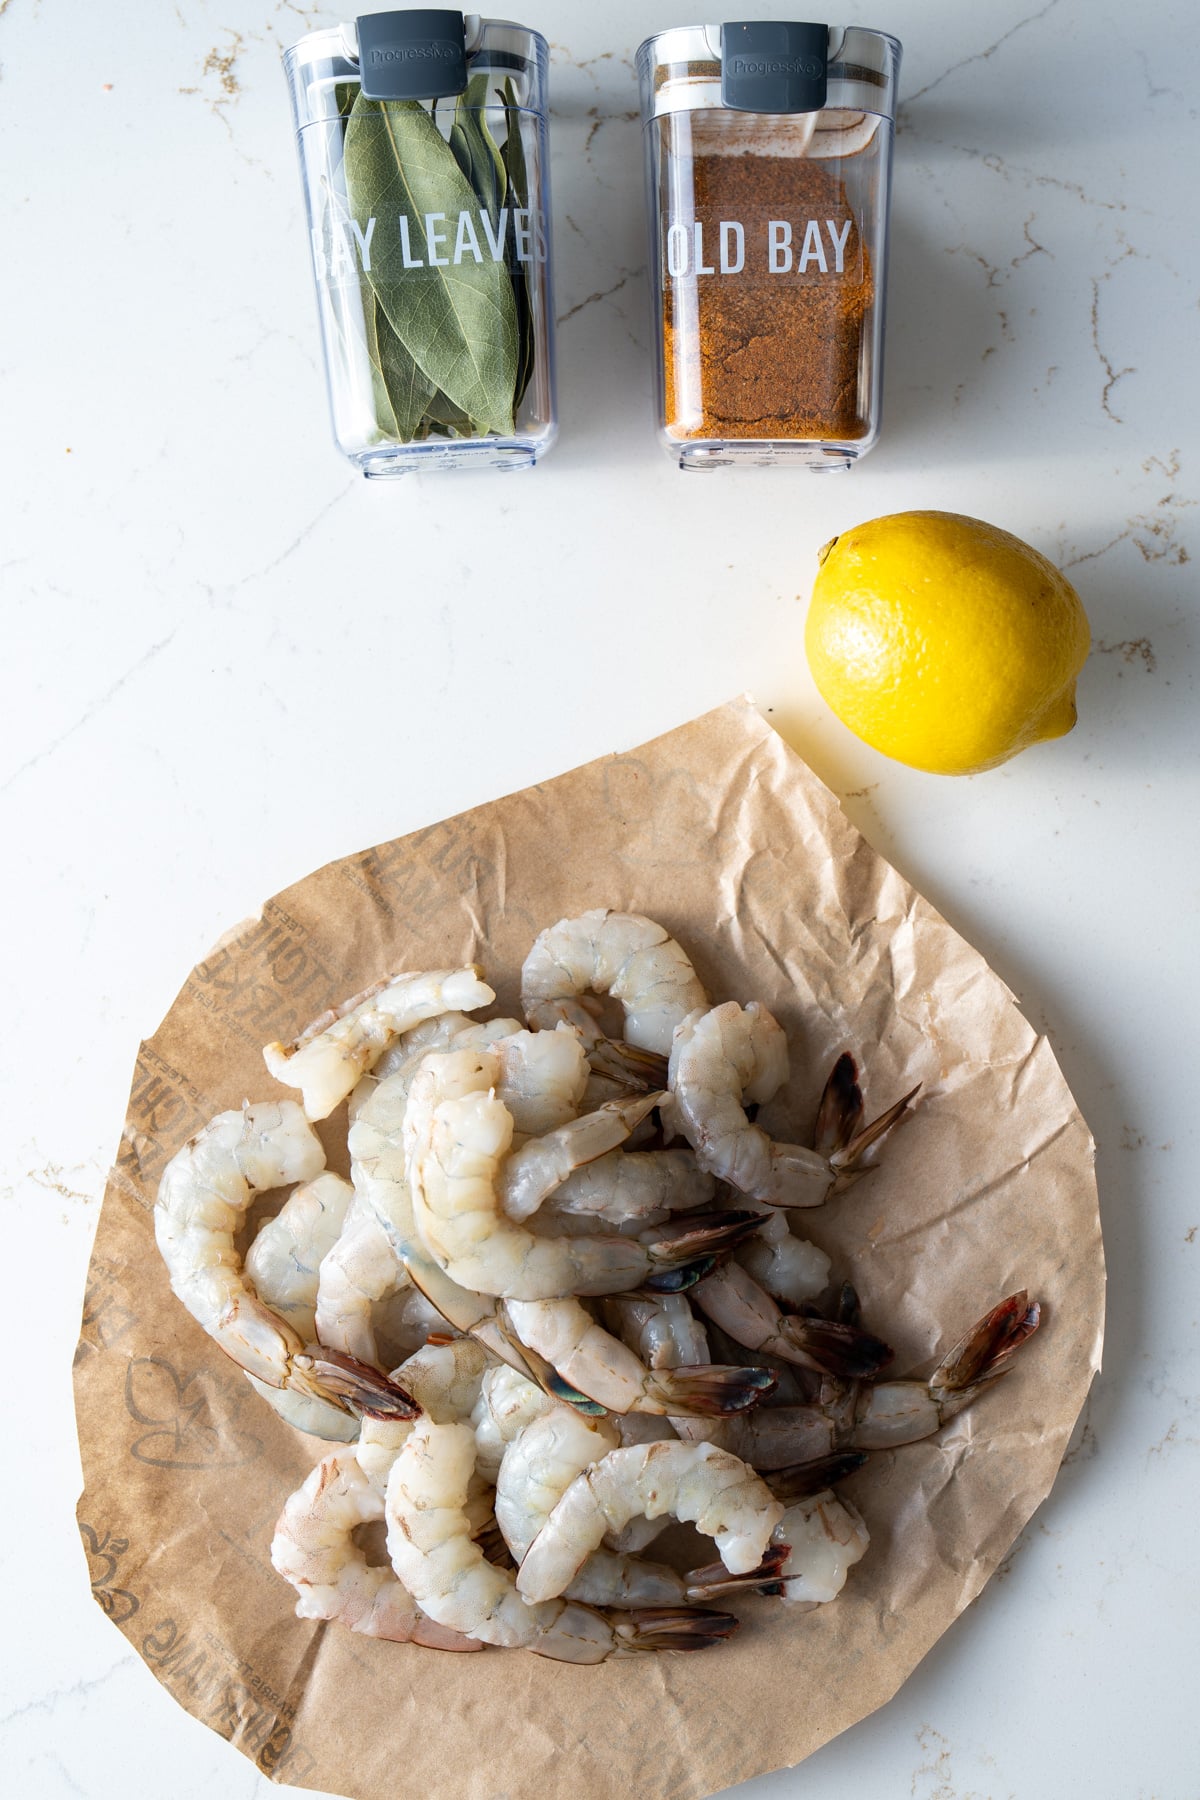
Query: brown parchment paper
722	833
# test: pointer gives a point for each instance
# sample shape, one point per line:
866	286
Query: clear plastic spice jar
422	139
768	151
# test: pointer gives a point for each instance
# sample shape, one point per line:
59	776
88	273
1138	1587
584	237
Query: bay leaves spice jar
768	152
422	138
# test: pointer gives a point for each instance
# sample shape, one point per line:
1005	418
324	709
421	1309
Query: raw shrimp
314	1549
580	1352
328	1058
732	1299
732	1053
460	1134
630	1185
379	1146
817	1541
404	1056
507	1403
283	1263
543	1164
787	1266
361	1269
379	1161
203	1196
543	1078
707	1487
661	1328
538	1467
543	1074
284	1260
540	1463
622	954
444	1380
314	1545
826	1536
433	1555
316	1418
879	1415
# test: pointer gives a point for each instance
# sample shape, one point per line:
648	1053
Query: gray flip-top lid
323	60
686	69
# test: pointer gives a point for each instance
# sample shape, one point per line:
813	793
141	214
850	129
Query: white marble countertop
203	605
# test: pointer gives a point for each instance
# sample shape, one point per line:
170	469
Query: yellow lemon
945	642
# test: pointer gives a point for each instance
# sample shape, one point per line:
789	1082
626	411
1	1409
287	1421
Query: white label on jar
807	250
343	249
733	247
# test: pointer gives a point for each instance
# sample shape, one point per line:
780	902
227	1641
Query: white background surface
227	659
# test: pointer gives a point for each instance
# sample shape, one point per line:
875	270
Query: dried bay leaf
517	175
457	322
475	149
402	388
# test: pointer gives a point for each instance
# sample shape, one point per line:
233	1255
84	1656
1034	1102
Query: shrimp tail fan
714	1578
692	1245
672	1628
356	1386
836	1349
986	1352
709	1390
800	1481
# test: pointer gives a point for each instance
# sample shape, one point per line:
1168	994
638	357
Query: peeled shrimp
314	1549
284	1260
460	1134
538	1467
732	1299
432	1553
622	954
507	1403
879	1415
203	1196
314	1546
661	1328
732	1053
329	1057
630	1185
716	1492
826	1536
543	1074
361	1269
543	1078
788	1267
283	1265
544	1163
540	1464
592	1362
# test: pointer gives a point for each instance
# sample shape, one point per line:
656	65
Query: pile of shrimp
560	1303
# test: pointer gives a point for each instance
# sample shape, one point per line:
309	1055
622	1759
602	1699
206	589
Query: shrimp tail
671	1628
832	1348
546	1375
986	1351
708	1390
799	1481
677	1281
642	1070
714	1578
844	1163
355	1386
840	1113
691	1235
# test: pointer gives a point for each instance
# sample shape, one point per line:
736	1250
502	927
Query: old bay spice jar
422	138
768	152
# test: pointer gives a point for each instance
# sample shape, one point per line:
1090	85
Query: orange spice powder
768	355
